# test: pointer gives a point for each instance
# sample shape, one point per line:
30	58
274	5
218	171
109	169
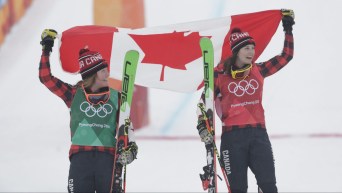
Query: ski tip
204	39
205	42
132	56
133	52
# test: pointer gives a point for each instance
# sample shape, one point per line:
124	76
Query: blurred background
302	102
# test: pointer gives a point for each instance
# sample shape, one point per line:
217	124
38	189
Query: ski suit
92	133
244	141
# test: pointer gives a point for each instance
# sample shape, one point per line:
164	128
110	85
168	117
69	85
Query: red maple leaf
174	50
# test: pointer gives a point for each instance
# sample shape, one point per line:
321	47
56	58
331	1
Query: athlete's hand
128	154
288	19
47	39
206	137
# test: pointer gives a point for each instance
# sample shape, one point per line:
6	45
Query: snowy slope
302	99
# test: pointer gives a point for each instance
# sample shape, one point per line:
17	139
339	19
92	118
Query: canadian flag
170	56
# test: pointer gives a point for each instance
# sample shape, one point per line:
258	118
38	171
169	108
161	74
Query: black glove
288	19
128	154
48	36
205	135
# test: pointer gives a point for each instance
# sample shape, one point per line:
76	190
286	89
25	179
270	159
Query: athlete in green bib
93	125
93	118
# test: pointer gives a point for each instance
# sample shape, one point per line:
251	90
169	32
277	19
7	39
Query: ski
209	178
123	133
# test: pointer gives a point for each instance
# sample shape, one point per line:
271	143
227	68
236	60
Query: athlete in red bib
238	100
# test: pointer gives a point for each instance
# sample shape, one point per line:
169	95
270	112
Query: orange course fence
10	13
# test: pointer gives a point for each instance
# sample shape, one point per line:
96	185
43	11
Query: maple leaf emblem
174	50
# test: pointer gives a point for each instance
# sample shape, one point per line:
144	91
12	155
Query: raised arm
63	90
278	62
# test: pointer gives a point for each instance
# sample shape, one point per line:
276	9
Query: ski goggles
97	98
241	73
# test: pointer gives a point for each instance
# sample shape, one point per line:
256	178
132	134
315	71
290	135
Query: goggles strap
234	73
96	98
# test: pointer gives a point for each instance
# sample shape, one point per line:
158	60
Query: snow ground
302	102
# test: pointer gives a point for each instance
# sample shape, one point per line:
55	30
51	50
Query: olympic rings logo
102	111
239	89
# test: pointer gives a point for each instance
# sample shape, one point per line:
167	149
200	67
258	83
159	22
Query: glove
206	137
48	36
288	19
128	154
288	12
